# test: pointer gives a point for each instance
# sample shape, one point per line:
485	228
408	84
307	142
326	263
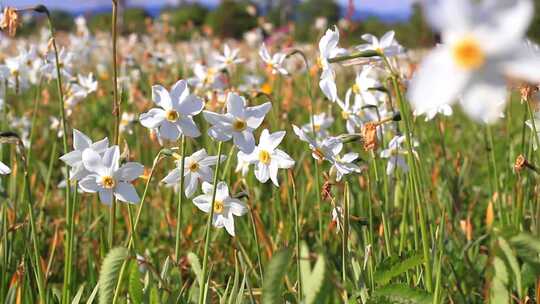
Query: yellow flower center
172	115
239	125
320	62
356	89
218	207
317	127
108	182
345	115
193	167
468	54
264	157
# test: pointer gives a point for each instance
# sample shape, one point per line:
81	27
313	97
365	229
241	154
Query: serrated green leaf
399	293
275	271
135	287
513	262
108	275
499	285
195	263
389	270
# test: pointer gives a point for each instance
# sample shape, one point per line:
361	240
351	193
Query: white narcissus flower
326	150
88	83
268	158
479	50
65	59
229	58
321	122
4	169
366	80
197	167
387	45
225	207
175	115
327	83
396	155
238	123
74	159
273	63
350	113
108	178
328	48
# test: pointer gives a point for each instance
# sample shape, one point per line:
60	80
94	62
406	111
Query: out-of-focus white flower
350	113
225	207
229	58
387	45
65	59
326	150
238	123
207	77
197	167
273	62
126	122
445	110
395	154
242	163
88	83
327	83
108	178
328	48
479	49
4	169
268	158
175	115
73	159
319	124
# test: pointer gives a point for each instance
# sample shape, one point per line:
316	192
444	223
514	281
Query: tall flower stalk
203	289
180	198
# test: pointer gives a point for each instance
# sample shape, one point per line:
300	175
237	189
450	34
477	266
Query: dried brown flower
9	21
520	163
369	133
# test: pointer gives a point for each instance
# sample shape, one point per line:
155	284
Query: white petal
237	207
173	177
106	196
228	222
153	118
4	169
126	193
93	162
190	185
89	184
72	158
437	82
130	171
161	97
271	141
203	202
188	127
169	130
236	105
273	171
255	115
262	172
484	100
80	140
111	158
222	191
283	160
219	134
191	105
244	141
177	92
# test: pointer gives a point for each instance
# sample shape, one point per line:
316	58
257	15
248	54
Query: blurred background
297	20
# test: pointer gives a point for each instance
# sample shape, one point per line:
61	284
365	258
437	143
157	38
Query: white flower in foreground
326	150
175	115
366	80
4	169
321	123
74	159
229	58
396	155
238	123
328	48
273	63
268	158
107	178
387	45
445	110
479	49
196	168
225	207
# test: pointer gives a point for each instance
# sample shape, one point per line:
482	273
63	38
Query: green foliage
135	286
275	271
312	279
62	20
394	267
310	10
108	274
134	20
402	294
231	19
499	293
196	267
185	19
100	22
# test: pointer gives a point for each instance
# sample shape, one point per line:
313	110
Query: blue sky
379	6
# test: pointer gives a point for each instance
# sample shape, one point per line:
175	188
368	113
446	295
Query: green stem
180	198
203	287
